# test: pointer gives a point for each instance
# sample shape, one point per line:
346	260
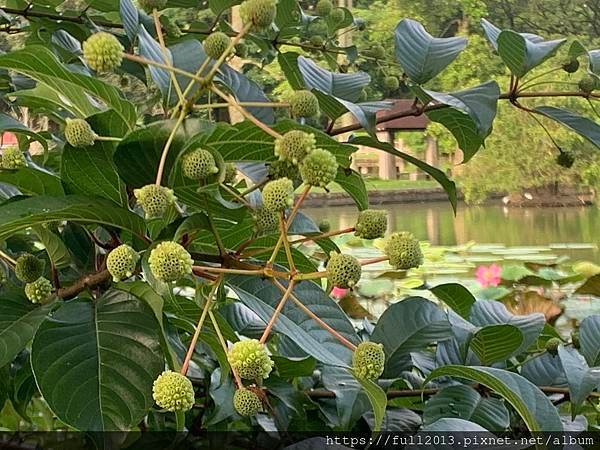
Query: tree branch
87	281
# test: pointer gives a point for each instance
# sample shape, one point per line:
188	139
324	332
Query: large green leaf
494	343
19	320
377	397
31	181
8	123
354	184
57	250
407	326
435	173
536	410
421	55
261	296
91	170
95	361
39	63
583	126
19	215
589	335
581	379
456	296
521	54
464	402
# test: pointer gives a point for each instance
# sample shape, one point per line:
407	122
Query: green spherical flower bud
169	261
317	41
173	391
371	224
294	146
391	83
199	165
266	221
241	49
404	251
319	168
376	51
368	360
570	65
79	133
215	44
103	52
121	262
587	84
250	359
337	15
343	271
154	199
246	402
278	194
575	338
304	104
565	159
552	345
259	13
13	158
230	173
38	291
324	7
283	169
150	5
28	268
324	226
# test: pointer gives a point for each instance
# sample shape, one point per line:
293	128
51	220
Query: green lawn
374	184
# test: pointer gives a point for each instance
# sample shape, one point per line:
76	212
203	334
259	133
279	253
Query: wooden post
387	162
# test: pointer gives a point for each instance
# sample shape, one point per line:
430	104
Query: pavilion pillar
431	151
387	162
400	163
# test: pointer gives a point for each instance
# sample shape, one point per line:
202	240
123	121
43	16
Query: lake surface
541	232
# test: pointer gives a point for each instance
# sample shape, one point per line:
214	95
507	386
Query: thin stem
532	114
232	43
163	157
215	232
316	318
255	187
286	242
541	83
108	139
593	108
238	380
245	104
379	259
310	276
148	62
323	236
287	293
7	258
543	74
163	48
207	306
237	196
297	206
227	270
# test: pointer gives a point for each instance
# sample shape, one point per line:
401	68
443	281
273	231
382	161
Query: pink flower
488	275
338	292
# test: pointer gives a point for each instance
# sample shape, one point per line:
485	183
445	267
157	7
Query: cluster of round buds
565	159
265	220
317	40
230	173
371	224
246	402
376	51
368	360
552	345
319	168
39	290
250	360
259	13
570	65
216	44
79	133
337	15
151	5
103	52
199	165
169	261
588	84
154	199
324	7
403	251
283	169
391	83
343	271
304	104
121	262
294	146
173	391
13	158
278	195
28	268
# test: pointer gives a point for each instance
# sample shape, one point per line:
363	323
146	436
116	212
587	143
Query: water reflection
493	223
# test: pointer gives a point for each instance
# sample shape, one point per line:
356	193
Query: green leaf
589	336
583	126
438	175
55	247
536	410
288	62
521	54
39	63
354	184
582	380
377	397
421	55
91	170
456	296
451	425
31	181
464	402
22	214
8	123
297	367
407	326
495	343
95	362
19	320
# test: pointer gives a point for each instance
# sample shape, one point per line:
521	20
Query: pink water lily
338	292
488	275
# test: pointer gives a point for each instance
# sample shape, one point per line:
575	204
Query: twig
165	152
163	48
366	262
323	235
213	319
7	258
286	295
87	281
286	243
